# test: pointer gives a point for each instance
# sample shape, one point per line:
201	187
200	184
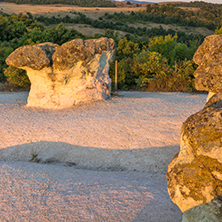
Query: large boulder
208	56
195	174
63	76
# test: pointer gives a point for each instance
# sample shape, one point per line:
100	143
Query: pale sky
210	1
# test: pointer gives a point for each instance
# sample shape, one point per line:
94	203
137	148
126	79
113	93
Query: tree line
82	3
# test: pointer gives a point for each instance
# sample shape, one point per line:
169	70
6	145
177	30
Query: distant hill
139	2
82	3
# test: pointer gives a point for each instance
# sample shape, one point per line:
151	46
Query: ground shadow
154	159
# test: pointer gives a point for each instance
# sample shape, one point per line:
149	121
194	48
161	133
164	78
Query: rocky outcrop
208	56
63	76
195	174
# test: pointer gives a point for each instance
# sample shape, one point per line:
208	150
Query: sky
211	1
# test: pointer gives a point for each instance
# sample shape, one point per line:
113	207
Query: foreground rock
208	75
63	76
195	174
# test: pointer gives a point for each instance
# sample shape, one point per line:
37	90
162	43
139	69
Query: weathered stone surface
35	57
215	100
195	174
209	212
208	75
63	76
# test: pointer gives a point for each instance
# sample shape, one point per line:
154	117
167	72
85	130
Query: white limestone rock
63	76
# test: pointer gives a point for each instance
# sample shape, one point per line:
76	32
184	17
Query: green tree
151	70
154	73
4	53
182	79
38	36
17	77
164	45
126	48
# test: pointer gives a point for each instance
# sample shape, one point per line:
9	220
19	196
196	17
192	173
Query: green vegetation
218	31
83	3
163	65
34	158
17	77
149	59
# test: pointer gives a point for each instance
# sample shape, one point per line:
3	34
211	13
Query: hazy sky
211	1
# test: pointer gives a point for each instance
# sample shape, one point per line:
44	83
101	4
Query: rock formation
195	174
63	76
208	56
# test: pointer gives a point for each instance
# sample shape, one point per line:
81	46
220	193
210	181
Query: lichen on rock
35	57
63	76
194	175
208	57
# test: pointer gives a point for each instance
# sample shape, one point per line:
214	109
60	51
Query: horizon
158	1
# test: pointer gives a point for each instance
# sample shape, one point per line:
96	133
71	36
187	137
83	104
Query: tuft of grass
34	158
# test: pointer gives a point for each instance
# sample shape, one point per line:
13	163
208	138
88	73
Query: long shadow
154	159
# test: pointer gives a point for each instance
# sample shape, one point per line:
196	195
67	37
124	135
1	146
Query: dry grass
88	30
92	12
190	9
189	30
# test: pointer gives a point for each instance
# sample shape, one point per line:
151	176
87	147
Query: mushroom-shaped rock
195	174
63	76
208	75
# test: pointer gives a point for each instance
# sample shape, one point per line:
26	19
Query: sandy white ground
118	151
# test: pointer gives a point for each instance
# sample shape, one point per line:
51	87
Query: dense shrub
218	31
17	77
162	65
169	79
